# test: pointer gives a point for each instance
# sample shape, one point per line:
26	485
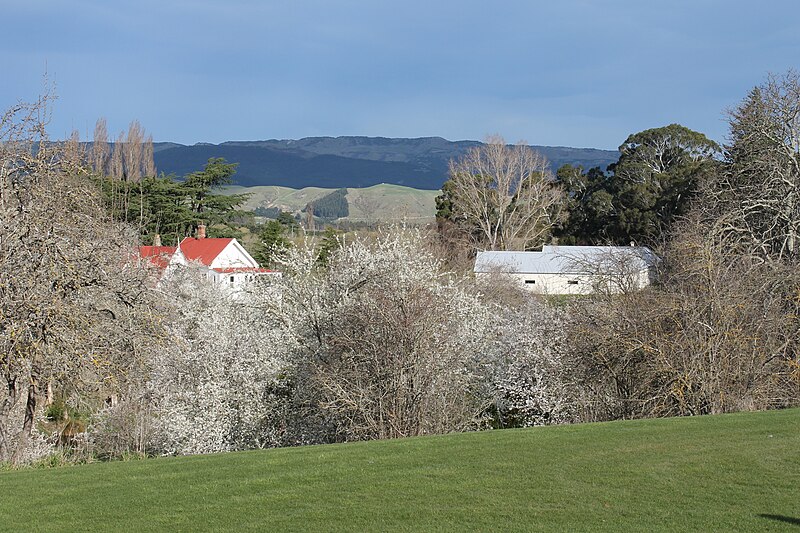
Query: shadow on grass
781	518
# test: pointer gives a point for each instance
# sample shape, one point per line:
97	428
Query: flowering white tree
393	346
215	391
377	343
389	343
530	383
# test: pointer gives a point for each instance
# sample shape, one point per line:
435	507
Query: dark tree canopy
332	206
651	184
272	243
590	205
172	208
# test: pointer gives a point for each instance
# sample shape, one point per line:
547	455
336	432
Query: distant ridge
337	162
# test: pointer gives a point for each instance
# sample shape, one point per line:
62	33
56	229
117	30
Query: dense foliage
172	207
331	206
377	343
77	316
642	194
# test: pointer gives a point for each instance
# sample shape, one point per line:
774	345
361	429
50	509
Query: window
232	278
572	282
530	281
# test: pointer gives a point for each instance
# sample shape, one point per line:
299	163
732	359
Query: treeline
172	207
499	197
331	206
165	205
717	332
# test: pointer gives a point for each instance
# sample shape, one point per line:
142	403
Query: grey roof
566	260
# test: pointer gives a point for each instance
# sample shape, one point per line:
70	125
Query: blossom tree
218	389
395	347
390	343
76	314
529	384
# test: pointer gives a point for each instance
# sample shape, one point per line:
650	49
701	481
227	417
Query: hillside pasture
379	203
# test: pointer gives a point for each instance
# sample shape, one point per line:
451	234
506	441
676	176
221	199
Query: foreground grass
720	473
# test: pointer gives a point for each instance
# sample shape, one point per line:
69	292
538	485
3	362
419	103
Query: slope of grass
386	202
286	198
721	473
378	203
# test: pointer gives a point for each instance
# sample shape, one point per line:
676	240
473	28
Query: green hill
716	473
384	202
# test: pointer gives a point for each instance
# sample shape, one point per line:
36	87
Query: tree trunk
5	410
27	425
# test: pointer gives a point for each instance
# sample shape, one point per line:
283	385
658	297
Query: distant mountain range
336	162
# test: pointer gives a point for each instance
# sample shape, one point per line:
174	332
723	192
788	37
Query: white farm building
573	269
223	261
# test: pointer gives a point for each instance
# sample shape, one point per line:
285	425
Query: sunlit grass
720	473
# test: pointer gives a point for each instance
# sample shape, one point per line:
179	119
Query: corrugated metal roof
203	250
157	255
565	259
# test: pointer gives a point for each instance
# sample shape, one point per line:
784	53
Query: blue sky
570	72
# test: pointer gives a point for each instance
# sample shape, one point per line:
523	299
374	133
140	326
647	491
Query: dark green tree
652	183
172	208
656	176
210	207
332	206
444	203
272	242
330	243
589	203
287	219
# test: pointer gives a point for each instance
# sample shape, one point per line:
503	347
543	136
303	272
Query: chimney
157	240
201	231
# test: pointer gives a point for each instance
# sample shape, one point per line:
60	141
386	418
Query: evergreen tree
173	208
332	206
657	174
590	205
272	243
330	243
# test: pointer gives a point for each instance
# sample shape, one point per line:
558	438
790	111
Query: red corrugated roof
157	256
203	250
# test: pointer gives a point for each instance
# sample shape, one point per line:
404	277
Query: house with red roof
157	256
223	261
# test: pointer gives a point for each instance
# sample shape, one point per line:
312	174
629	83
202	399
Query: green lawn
720	473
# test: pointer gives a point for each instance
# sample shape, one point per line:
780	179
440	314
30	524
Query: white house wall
234	256
177	259
237	280
568	284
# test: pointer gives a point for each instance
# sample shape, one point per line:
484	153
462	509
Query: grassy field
720	473
382	202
